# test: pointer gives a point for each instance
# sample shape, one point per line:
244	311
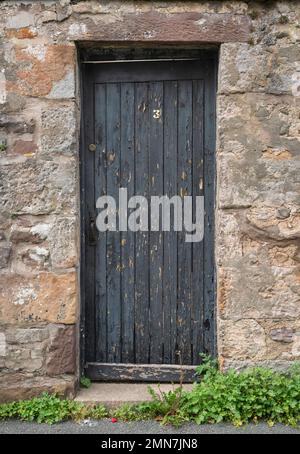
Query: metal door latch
92	232
92	147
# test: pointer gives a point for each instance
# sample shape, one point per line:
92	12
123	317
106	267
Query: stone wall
258	156
258	210
39	201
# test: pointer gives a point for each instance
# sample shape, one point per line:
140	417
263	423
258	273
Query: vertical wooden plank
197	247
209	191
83	267
155	238
113	238
100	190
89	279
142	238
127	238
170	238
184	174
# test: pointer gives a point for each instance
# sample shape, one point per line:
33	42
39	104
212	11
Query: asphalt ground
142	427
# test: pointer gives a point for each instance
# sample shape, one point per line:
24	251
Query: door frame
94	55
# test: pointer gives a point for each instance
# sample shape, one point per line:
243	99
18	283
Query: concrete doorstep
113	395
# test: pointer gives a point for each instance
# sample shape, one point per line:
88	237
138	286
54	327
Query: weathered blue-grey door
149	295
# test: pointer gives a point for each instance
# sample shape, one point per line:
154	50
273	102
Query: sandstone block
262	158
61	350
41	67
22	33
24	147
21	386
242	340
259	292
265	219
239	365
64	88
26	234
45	297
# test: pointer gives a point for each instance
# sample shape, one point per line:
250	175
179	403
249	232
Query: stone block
17	125
18	386
63	243
242	340
28	234
261	158
35	257
30	335
282	335
275	120
20	19
21	33
251	342
58	133
264	221
258	292
244	67
64	88
24	147
61	351
39	187
257	237
46	297
41	67
248	68
239	365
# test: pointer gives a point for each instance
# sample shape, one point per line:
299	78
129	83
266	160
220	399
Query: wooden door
149	295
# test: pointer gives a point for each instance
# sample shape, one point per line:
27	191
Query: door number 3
157	113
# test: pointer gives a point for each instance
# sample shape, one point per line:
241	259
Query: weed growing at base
253	395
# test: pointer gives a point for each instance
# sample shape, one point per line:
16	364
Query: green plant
98	412
236	397
50	409
127	412
8	411
3	147
209	367
47	408
252	395
85	382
